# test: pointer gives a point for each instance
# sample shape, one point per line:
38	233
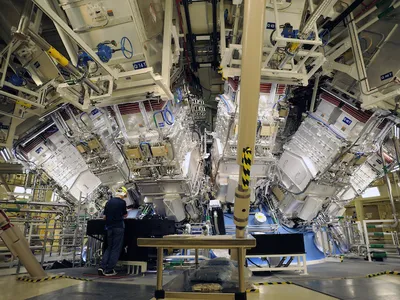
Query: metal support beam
44	6
13	127
18	98
10	115
214	34
6	62
222	27
21	89
166	52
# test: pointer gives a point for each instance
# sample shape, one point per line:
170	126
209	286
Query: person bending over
114	214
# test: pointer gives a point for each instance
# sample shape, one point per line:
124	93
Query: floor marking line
274	283
252	291
27	279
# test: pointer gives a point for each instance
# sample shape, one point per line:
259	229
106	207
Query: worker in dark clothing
114	214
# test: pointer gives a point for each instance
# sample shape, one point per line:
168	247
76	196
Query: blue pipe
169	120
226	103
165	113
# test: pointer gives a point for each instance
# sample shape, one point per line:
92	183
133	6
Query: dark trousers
115	240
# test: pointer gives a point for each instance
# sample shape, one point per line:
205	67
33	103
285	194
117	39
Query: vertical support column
366	239
359	209
253	30
241	258
160	293
44	242
304	265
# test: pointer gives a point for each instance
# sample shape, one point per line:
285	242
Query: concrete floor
325	281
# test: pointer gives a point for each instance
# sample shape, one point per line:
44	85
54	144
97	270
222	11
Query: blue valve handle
127	52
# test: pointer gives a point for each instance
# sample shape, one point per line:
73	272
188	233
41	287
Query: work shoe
100	271
110	273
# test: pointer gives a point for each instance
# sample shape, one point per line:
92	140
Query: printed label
38	150
386	76
139	65
271	25
347	121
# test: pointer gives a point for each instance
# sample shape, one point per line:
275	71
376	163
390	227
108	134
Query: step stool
134	267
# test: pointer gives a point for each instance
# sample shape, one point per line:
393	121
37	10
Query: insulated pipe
253	31
45	46
19	247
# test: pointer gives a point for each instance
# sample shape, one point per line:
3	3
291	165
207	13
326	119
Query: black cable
80	117
270	38
258	266
188	214
198	133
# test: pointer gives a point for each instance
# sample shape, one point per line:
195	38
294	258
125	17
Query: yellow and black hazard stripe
376	274
48	278
252	291
77	278
246	162
274	283
392	273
